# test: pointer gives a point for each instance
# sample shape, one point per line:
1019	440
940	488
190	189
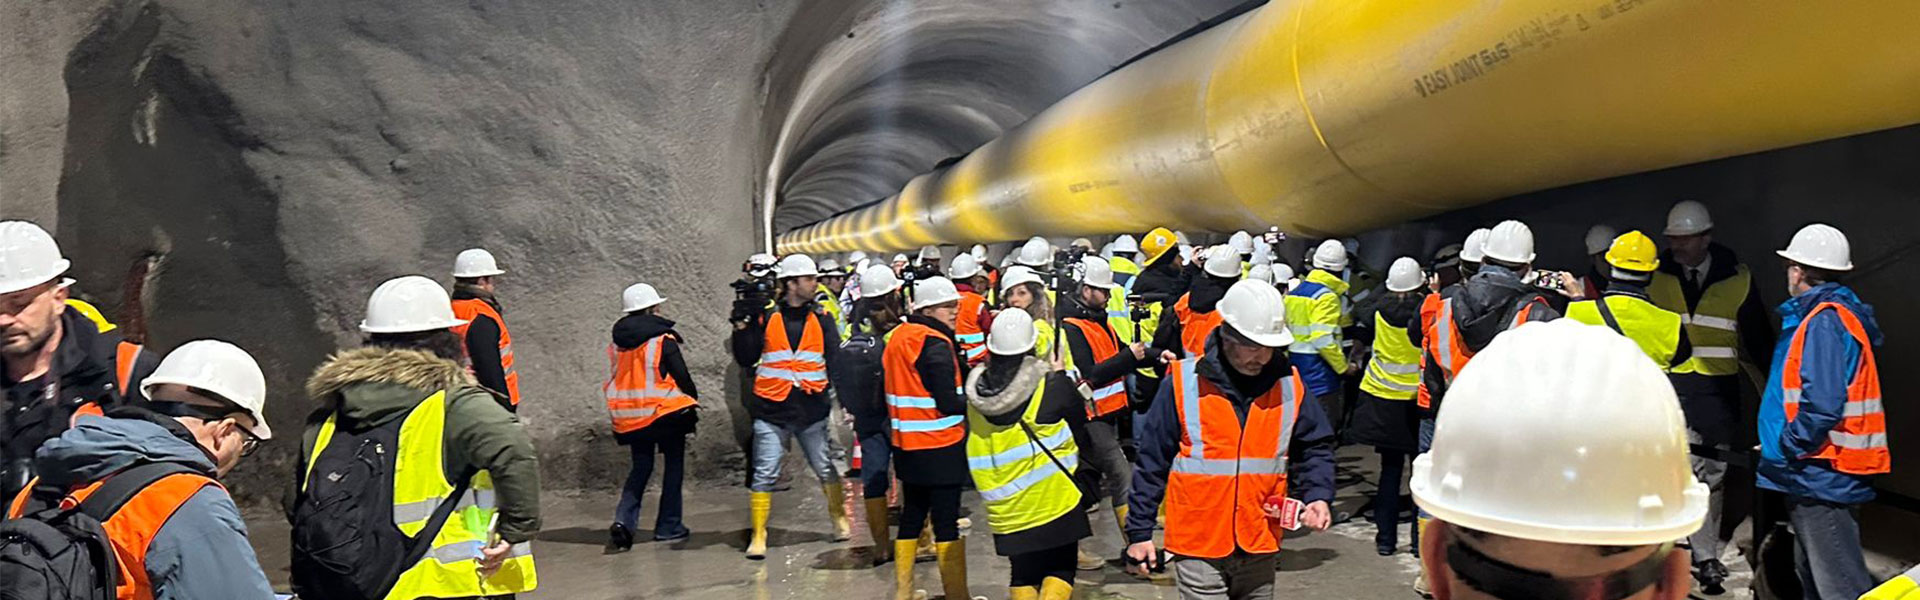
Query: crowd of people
1194	396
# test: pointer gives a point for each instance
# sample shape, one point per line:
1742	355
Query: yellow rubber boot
1055	588
1120	521
1023	593
762	506
837	508
953	568
903	570
877	527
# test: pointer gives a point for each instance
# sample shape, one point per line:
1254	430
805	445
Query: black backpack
345	545
856	375
53	552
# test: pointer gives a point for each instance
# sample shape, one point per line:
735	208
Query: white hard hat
1241	242
220	368
1186	252
1095	272
1475	250
1006	261
796	265
475	262
830	266
1036	253
762	259
979	253
1330	255
1257	312
1689	217
855	257
28	257
1106	251
640	296
1562	432
1017	275
899	258
964	266
1082	242
934	291
1261	272
1820	246
877	281
408	304
1126	243
1282	272
929	253
1012	333
1600	238
1510	241
1181	237
1405	275
1223	261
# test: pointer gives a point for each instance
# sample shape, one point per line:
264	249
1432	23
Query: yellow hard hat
93	314
1633	251
1156	244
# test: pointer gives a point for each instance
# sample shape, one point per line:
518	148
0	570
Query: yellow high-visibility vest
1021	487
419	485
1394	372
1713	326
1655	330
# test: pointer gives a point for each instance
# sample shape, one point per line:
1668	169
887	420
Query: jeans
666	524
1827	550
770	449
918	502
1239	576
1386	501
1426	443
876	451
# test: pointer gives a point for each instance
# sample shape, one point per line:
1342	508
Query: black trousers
1032	568
917	502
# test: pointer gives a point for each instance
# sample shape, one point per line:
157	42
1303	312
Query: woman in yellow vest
1385	416
1020	419
1023	289
651	400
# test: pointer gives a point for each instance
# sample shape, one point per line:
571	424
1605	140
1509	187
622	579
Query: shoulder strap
123	486
1606	314
422	540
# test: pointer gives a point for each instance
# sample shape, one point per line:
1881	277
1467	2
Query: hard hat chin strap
1501	580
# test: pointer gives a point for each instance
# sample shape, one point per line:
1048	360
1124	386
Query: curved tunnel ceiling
902	86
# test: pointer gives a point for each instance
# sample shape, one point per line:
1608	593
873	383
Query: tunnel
250	171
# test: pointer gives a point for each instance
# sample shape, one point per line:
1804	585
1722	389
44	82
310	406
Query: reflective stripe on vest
1713	324
783	367
1394	371
125	357
916	421
966	328
1109	396
132	528
1449	350
1021	487
1858	444
1226	469
1194	326
469	308
1655	330
1309	336
639	391
419	485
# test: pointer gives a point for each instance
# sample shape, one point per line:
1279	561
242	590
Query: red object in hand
1289	510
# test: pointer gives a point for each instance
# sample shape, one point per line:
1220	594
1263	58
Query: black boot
619	538
1712	575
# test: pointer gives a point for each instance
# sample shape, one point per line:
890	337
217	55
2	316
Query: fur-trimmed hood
370	383
1013	396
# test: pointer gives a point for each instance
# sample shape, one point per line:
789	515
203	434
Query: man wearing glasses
205	415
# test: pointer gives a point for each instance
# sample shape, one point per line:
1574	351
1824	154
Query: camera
1059	275
753	291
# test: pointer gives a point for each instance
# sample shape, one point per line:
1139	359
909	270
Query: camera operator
786	345
753	292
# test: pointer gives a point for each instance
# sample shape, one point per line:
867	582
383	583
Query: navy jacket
1827	365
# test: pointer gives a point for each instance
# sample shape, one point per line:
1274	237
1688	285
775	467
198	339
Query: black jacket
40	408
800	408
637	328
1205	292
483	345
1096	374
1483	307
945	466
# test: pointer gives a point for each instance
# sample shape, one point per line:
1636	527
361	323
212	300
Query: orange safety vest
1220	481
1112	396
640	391
1444	343
469	308
1194	326
783	367
1858	445
123	361
133	527
967	330
916	423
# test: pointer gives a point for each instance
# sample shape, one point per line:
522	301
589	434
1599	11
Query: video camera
753	291
1060	275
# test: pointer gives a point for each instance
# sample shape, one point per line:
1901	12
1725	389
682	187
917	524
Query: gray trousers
1101	451
1239	576
1706	543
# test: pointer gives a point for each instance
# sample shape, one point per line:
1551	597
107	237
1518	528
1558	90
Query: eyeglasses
248	445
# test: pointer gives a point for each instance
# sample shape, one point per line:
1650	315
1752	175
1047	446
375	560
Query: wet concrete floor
803	562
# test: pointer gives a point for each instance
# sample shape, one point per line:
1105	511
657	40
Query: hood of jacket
1795	309
1207	291
96	447
465	291
1010	392
371	384
1160	281
1330	279
636	328
1485	305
